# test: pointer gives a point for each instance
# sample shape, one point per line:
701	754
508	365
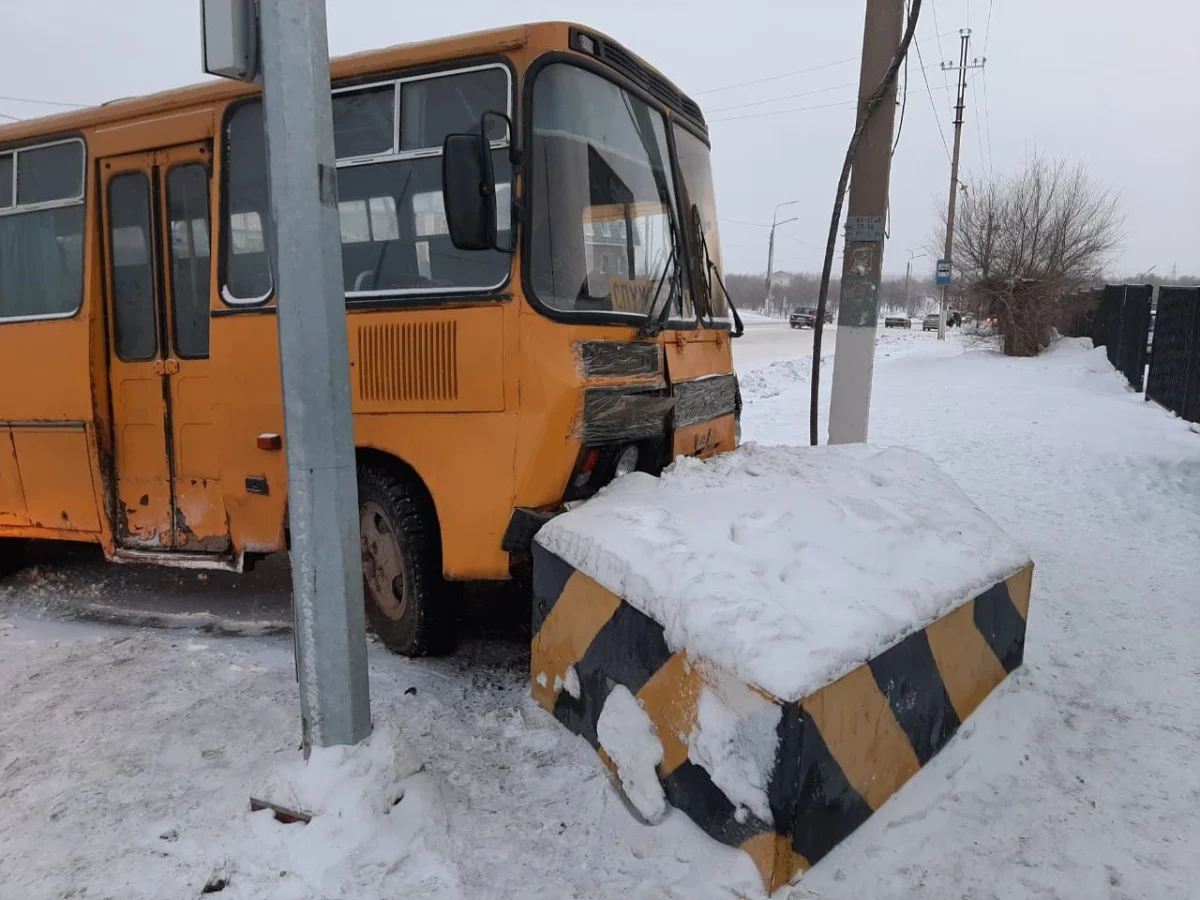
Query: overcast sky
1114	84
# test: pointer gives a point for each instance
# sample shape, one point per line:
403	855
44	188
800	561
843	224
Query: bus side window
134	331
187	205
394	238
41	230
245	267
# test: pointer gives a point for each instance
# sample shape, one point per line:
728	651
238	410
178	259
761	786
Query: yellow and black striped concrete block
840	752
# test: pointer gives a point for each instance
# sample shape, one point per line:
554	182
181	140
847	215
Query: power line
838	103
800	242
987	120
730	87
781	112
747	224
824	90
822	67
11	118
941	53
978	127
900	127
43	102
789	96
987	33
937	119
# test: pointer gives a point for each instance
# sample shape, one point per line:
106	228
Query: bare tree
1025	244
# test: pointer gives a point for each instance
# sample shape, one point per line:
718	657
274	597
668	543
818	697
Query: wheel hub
383	561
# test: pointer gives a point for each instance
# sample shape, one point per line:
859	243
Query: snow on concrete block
803	628
630	740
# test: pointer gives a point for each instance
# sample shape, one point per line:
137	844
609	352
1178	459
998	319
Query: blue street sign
943	271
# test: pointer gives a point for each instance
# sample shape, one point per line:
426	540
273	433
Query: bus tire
12	555
408	603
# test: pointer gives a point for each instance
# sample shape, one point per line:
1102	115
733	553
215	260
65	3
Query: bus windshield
604	235
696	169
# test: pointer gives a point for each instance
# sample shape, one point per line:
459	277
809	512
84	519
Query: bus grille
408	361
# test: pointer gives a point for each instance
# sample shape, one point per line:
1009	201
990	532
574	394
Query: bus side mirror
469	191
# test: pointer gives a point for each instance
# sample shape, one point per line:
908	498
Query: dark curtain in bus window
246	268
132	266
187	210
432	108
41	262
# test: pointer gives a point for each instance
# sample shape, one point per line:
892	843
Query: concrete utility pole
327	580
962	68
771	249
862	265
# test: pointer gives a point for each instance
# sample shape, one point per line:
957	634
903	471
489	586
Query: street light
912	254
771	247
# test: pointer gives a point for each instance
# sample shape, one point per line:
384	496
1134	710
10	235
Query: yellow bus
495	377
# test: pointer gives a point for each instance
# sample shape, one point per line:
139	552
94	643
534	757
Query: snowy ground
127	755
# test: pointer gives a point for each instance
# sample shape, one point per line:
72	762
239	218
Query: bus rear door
158	270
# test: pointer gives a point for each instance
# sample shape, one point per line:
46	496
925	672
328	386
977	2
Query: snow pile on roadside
788	566
772	379
628	736
371	807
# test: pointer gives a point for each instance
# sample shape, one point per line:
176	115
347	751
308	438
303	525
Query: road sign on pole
327	580
943	271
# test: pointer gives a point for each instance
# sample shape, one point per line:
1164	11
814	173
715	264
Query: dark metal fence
1175	363
1122	327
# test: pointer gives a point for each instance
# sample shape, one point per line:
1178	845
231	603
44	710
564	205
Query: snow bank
628	736
371	806
788	566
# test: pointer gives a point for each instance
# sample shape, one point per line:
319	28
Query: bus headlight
626	462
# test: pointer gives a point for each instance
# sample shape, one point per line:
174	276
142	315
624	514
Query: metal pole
958	123
770	266
775	223
862	265
907	292
327	597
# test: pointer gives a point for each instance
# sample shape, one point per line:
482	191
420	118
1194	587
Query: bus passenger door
200	521
157	263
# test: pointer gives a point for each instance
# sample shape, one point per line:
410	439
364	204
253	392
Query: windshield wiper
639	116
656	322
711	270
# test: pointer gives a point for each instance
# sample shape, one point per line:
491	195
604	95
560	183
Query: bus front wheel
408	603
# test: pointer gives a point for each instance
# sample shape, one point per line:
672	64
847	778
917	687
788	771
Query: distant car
930	322
803	317
897	322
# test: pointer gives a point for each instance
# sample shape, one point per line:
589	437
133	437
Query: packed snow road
767	340
127	755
